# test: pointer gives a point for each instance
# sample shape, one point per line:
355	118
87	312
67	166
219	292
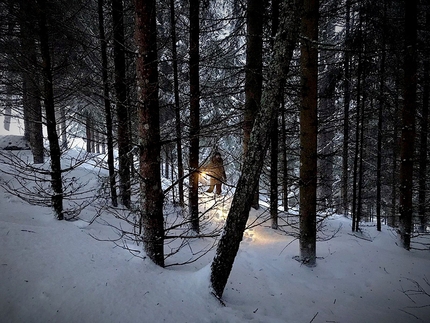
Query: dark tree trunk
380	122
408	123
89	132
177	106
346	103
51	124
392	220
274	174
257	148
308	132
274	137
327	106
253	73
121	102
194	114
422	209
31	92
151	195
284	160
107	105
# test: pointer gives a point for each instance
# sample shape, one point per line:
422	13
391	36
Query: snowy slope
55	271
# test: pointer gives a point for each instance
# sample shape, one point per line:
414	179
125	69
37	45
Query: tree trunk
89	132
51	124
107	106
327	107
380	122
308	131
253	73
238	215
121	102
408	123
151	195
274	137
422	209
177	106
346	103
31	92
284	160
194	114
274	174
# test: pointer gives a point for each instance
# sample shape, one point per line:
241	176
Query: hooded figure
216	172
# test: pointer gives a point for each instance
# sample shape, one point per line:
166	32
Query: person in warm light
216	172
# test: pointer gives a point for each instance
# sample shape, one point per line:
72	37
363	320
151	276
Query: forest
317	108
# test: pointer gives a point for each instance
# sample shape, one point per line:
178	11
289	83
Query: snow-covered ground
55	271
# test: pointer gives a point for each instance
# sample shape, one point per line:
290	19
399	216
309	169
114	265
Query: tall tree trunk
308	131
408	123
346	103
31	95
422	209
121	102
238	215
284	159
274	174
177	105
274	137
107	105
151	195
253	72
194	114
392	220
51	124
380	121
327	106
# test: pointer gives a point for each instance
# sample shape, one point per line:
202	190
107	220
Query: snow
56	271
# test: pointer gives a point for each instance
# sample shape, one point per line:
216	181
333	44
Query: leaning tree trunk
408	123
308	132
151	195
51	124
236	221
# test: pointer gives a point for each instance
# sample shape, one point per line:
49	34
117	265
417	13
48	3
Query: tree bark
238	215
107	106
51	124
253	73
274	137
422	209
177	106
308	132
194	114
408	123
31	92
151	195
346	103
380	122
121	103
